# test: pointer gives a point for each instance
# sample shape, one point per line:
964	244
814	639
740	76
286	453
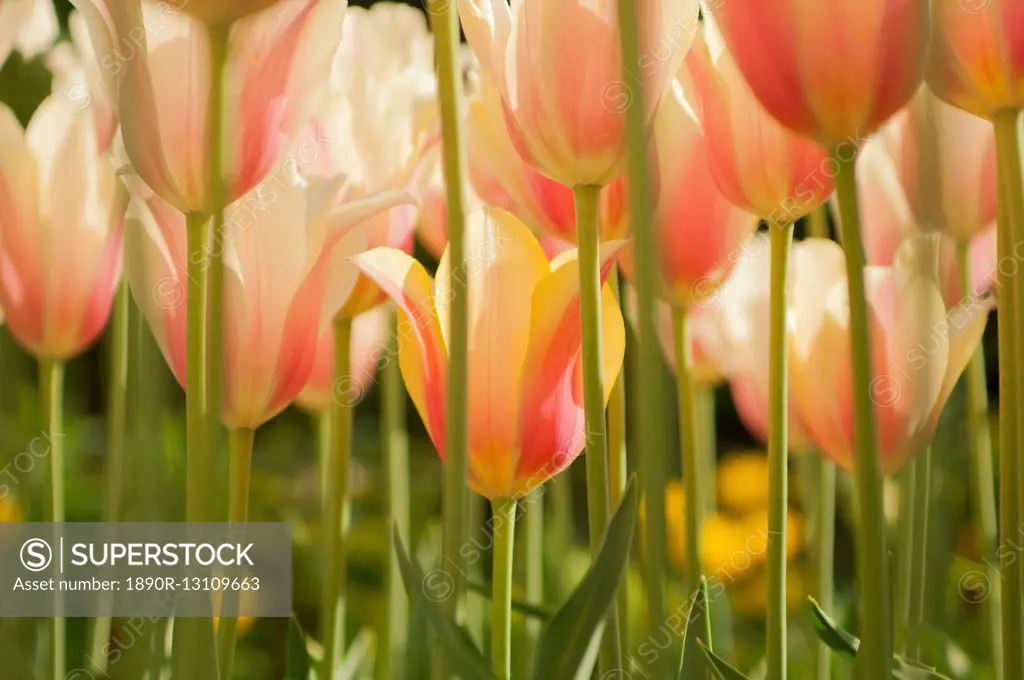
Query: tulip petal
422	355
552	428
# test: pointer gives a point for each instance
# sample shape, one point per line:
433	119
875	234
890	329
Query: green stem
617	461
396	469
817	223
51	385
534	572
689	449
778	451
872	563
563	533
651	438
979	442
919	550
905	557
705	397
117	392
335	508
824	553
445	21
598	492
504	510
1011	207
240	474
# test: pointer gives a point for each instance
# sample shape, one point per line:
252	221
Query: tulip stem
824	553
51	387
617	462
240	473
651	438
872	562
334	522
689	445
504	510
598	494
194	652
117	390
979	441
1009	234
445	22
395	448
533	573
922	471
818	226
778	451
705	397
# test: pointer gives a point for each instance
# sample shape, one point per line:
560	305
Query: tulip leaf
720	667
700	605
829	632
528	609
846	644
459	648
568	645
297	665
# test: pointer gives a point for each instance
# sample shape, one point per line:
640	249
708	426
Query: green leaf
720	667
297	665
913	670
458	646
700	605
829	632
562	651
523	607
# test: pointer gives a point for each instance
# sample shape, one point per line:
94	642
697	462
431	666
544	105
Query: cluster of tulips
254	172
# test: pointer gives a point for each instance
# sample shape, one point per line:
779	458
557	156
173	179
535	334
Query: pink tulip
501	178
61	210
704	369
156	63
286	277
759	165
700	232
76	77
734	329
28	26
556	64
525	396
832	71
919	348
369	335
977	54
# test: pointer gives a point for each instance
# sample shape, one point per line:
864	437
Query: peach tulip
155	62
525	396
500	177
369	335
76	77
977	55
919	348
557	66
28	26
888	213
734	331
759	165
832	71
61	210
377	121
280	258
700	232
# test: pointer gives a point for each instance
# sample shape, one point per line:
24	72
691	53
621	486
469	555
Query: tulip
758	164
369	334
526	415
221	13
500	177
157	66
830	71
558	69
280	258
920	348
60	238
975	61
28	26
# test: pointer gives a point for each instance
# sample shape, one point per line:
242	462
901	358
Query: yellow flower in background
10	511
742	483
